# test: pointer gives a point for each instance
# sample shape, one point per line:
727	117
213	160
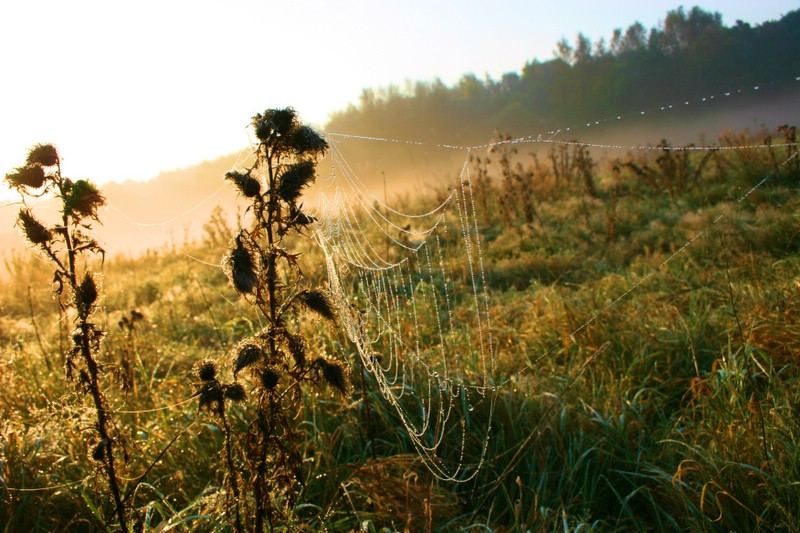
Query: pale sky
128	89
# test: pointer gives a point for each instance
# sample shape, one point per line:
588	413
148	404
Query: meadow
645	317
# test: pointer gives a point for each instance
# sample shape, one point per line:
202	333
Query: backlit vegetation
647	384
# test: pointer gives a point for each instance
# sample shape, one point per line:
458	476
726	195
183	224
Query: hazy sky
128	89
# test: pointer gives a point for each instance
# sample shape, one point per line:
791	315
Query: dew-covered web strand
615	119
392	281
371	212
362	192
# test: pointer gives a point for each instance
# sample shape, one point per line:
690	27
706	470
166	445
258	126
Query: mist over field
171	208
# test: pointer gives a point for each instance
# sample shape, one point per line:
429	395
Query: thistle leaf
248	355
34	230
318	301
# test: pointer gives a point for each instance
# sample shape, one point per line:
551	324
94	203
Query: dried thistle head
206	370
240	268
247	185
248	355
28	176
333	373
306	141
86	294
99	451
294	179
83	199
274	122
35	231
44	155
318	301
269	378
235	392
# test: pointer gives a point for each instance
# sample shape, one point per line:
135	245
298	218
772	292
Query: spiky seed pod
235	392
297	347
269	378
83	199
248	354
294	179
274	122
27	176
43	154
207	370
247	185
318	301
86	294
99	451
34	230
306	141
333	373
240	268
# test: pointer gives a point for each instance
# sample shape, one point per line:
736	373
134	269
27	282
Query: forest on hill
689	55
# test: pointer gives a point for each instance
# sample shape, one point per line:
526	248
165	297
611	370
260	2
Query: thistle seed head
247	185
235	392
43	154
34	230
306	141
83	199
99	451
86	294
27	176
333	373
206	370
269	378
318	301
240	268
248	355
278	122
294	179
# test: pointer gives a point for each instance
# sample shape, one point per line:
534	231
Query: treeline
689	55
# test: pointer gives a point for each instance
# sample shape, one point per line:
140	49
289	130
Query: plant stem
231	470
94	385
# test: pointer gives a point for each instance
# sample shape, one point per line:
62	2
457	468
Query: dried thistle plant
66	245
276	361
